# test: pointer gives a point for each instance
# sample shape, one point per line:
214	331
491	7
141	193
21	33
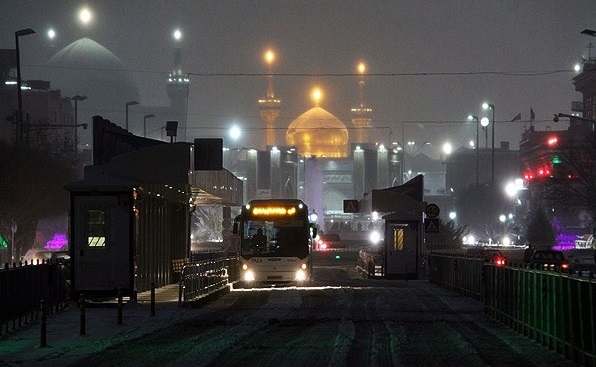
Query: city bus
275	241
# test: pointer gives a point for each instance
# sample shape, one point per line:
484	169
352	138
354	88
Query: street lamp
76	100
474	117
492	151
17	34
235	132
131	103
145	123
484	123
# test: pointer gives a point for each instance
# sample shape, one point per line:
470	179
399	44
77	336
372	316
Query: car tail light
565	266
500	261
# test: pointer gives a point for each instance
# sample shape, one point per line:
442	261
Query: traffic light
3	242
552	141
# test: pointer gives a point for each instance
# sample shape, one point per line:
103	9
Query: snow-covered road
341	320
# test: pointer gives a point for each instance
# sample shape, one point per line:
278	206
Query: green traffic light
337	257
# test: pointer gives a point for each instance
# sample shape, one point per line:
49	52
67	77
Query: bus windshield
276	237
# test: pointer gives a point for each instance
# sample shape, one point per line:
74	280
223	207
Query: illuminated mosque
322	161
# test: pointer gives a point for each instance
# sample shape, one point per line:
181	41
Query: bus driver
259	240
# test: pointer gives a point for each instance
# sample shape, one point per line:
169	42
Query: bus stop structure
403	243
130	215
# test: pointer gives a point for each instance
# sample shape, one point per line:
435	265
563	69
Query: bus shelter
403	228
130	217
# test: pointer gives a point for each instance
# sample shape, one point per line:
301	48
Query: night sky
437	60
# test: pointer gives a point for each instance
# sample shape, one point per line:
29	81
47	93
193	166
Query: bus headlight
303	266
249	276
300	275
244	266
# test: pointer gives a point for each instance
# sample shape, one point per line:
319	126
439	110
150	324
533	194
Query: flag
517	117
532	115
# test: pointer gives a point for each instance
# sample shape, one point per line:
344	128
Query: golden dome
319	133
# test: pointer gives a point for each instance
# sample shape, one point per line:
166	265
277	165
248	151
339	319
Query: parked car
582	260
549	260
492	256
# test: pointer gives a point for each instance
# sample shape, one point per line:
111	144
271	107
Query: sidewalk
65	345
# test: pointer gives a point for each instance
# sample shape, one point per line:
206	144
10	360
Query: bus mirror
235	228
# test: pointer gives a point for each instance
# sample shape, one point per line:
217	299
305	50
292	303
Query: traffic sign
431	225
432	210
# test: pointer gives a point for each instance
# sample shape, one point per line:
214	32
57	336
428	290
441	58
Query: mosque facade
322	161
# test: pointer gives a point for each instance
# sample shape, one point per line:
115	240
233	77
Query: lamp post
474	117
492	151
17	34
13	230
145	123
128	104
76	100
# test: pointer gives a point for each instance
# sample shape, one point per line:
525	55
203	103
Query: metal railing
23	287
553	308
207	277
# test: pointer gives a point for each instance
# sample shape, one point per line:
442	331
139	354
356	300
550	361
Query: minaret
361	114
269	106
178	84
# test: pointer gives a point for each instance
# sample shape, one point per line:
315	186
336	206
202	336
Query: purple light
57	242
565	241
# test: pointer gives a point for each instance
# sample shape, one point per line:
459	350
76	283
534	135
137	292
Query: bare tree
32	188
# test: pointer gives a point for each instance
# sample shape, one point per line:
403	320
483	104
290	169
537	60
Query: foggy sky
331	37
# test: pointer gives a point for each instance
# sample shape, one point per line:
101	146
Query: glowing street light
235	132
447	148
85	16
177	35
51	33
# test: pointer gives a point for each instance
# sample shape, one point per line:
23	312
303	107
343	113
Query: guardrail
555	309
23	287
207	277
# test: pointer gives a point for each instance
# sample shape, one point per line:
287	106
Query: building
48	116
557	164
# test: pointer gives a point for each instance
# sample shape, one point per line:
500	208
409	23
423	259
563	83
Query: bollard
119	306
82	325
43	337
152	299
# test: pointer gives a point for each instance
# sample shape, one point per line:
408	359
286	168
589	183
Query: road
342	319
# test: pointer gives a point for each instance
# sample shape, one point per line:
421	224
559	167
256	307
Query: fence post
152	298
82	315
43	330
119	306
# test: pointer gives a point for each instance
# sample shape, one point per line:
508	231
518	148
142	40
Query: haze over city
429	64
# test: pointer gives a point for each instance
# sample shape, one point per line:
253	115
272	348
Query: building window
96	228
398	239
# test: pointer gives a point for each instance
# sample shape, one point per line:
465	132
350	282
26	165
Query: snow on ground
65	345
